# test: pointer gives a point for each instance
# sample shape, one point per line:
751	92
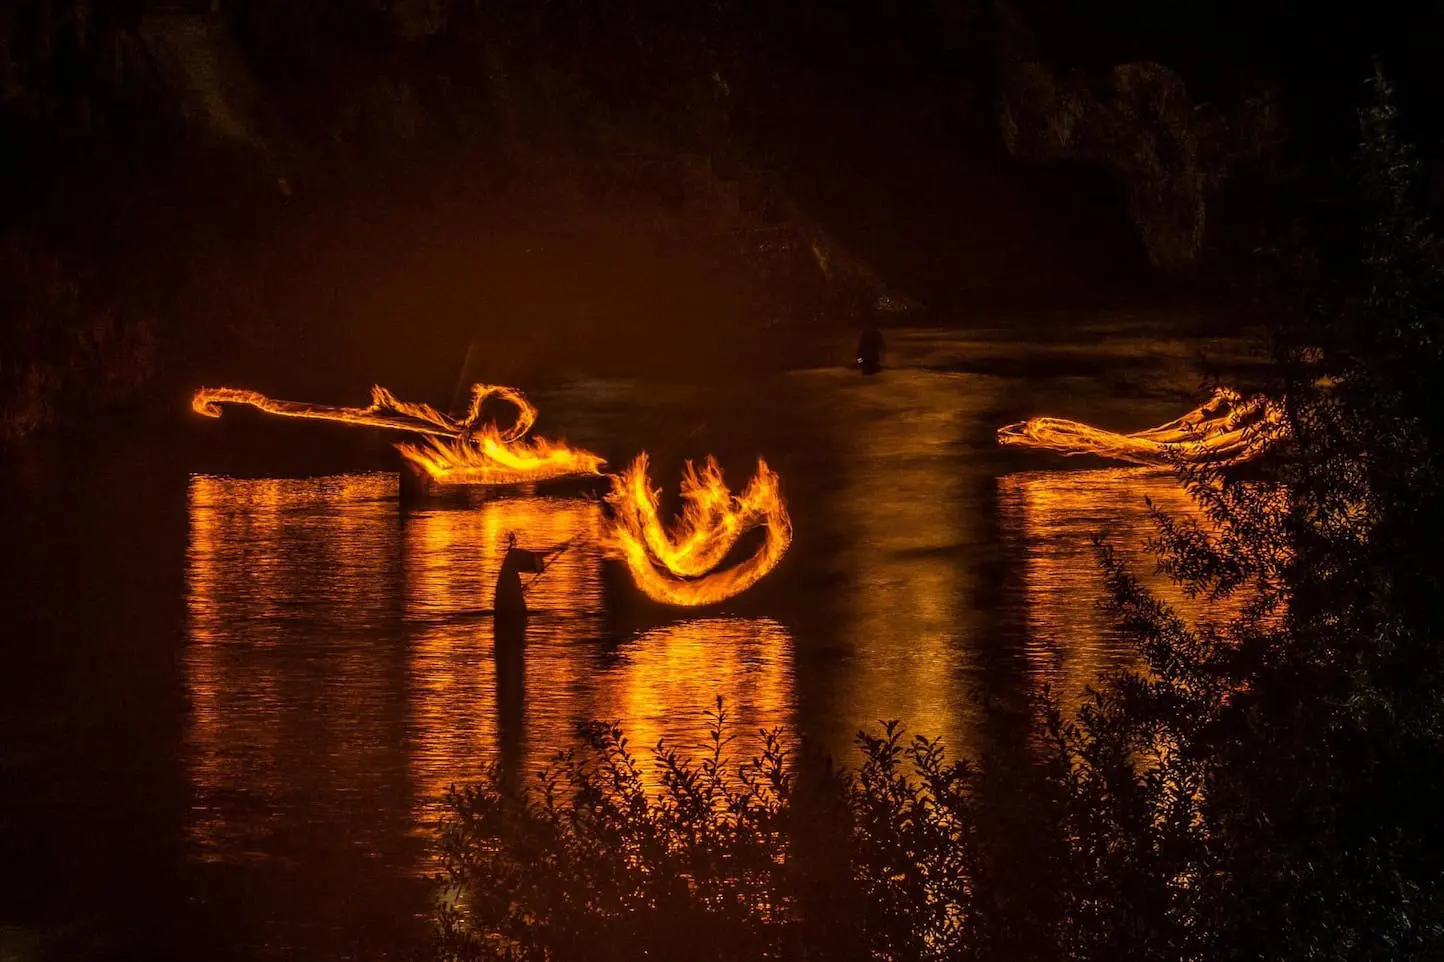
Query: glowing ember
457	451
677	565
1227	430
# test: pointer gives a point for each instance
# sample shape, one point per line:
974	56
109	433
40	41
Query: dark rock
1139	123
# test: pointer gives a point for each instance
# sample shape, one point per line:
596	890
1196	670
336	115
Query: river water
239	674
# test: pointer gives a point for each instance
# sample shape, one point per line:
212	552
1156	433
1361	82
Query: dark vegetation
1268	789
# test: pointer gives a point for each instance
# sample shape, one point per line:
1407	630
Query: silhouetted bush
1268	789
764	861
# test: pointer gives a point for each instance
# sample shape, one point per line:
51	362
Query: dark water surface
238	674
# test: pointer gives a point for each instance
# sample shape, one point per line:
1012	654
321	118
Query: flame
385	410
677	565
711	521
463	450
1225	430
490	460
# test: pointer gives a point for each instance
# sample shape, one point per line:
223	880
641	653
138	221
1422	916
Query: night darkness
957	479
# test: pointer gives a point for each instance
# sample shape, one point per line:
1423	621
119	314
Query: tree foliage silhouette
1268	787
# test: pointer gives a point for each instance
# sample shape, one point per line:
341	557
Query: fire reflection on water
342	664
469	699
907	621
1051	518
289	699
665	680
343	671
473	700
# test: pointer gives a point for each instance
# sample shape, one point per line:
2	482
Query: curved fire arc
677	564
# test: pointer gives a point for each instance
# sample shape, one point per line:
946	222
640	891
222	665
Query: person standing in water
509	600
870	351
509	649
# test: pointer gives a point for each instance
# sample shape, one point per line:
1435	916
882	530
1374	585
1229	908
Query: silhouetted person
414	485
509	602
509	648
870	351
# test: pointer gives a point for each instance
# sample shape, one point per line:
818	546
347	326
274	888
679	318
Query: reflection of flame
1226	430
677	566
665	678
1051	518
458	451
281	572
468	704
309	726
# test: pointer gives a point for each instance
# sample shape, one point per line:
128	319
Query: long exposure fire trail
1226	430
466	450
677	565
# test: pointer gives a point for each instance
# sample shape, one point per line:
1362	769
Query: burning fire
1226	430
676	565
457	451
386	410
490	460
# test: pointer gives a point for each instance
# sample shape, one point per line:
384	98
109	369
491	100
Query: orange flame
676	565
490	460
458	450
1225	430
385	411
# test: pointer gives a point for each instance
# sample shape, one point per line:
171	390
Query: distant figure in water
508	626
870	351
510	601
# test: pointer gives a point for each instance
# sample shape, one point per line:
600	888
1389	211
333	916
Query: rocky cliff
1137	121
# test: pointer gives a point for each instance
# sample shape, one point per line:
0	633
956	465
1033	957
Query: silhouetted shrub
764	861
1268	789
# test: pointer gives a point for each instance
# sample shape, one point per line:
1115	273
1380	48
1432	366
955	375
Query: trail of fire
1226	430
385	410
674	565
677	565
464	450
488	460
